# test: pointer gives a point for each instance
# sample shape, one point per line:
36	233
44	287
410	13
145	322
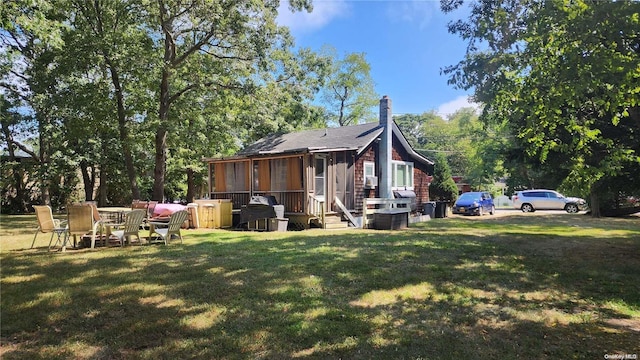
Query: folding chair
47	224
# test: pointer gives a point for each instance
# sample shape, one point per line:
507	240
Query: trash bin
429	208
441	209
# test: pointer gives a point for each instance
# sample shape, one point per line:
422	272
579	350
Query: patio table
113	213
112	217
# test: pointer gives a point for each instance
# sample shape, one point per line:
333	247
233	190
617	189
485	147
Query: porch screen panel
340	176
264	175
279	174
294	178
237	176
242	176
230	174
219	177
349	200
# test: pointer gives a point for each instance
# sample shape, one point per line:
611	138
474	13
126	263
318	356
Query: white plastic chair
131	226
172	227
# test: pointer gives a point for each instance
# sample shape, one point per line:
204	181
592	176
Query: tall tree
30	37
349	94
110	35
238	35
564	75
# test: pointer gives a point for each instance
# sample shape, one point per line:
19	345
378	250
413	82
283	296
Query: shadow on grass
449	289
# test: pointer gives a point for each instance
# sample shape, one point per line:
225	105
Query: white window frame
372	166
407	167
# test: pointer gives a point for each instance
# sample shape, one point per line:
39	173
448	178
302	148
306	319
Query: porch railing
315	206
237	198
292	200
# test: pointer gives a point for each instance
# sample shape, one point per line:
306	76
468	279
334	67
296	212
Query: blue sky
405	42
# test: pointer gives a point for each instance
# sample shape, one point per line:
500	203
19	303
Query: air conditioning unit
371	182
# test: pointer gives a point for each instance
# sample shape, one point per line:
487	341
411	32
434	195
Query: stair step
340	225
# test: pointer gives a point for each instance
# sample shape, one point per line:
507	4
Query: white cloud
323	12
415	12
452	106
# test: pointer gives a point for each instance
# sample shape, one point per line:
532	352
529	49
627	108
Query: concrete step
336	225
332	219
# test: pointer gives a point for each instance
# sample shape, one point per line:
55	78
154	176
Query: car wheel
480	212
492	211
571	208
527	208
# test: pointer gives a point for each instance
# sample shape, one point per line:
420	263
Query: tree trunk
161	140
45	181
191	185
19	203
87	181
160	161
163	114
595	202
123	131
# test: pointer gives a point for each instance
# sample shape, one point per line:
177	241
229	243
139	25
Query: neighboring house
313	172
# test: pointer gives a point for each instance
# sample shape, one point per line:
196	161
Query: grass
530	287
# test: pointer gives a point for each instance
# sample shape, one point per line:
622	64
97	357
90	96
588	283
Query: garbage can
441	209
429	208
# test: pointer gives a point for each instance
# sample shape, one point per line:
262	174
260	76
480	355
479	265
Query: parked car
474	203
541	199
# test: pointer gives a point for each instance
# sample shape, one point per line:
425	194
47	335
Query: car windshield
469	197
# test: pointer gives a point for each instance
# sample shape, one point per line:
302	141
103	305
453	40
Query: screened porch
280	177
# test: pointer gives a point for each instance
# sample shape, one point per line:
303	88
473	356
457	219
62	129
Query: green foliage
126	90
442	186
349	94
563	76
472	149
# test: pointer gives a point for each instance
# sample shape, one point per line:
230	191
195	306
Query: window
369	170
401	174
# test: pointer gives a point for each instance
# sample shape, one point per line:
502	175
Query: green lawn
545	286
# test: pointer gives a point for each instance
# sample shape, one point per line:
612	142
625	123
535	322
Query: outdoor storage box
391	219
215	213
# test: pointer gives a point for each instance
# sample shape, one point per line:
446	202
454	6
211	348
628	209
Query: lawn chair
148	206
172	227
80	221
131	226
47	224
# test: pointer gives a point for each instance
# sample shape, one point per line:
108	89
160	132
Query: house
318	173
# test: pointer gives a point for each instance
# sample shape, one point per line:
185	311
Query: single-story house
322	172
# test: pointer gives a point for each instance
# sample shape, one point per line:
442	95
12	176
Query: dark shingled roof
356	137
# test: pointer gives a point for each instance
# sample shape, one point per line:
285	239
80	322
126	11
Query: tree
442	187
237	36
30	38
472	149
349	95
563	75
109	35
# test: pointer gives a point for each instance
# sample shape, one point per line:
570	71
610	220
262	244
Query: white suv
532	200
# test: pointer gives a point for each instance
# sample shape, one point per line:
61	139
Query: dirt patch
625	324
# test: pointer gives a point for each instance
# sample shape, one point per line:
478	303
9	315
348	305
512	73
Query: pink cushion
167	209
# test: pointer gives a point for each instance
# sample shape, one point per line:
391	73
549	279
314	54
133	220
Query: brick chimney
385	154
